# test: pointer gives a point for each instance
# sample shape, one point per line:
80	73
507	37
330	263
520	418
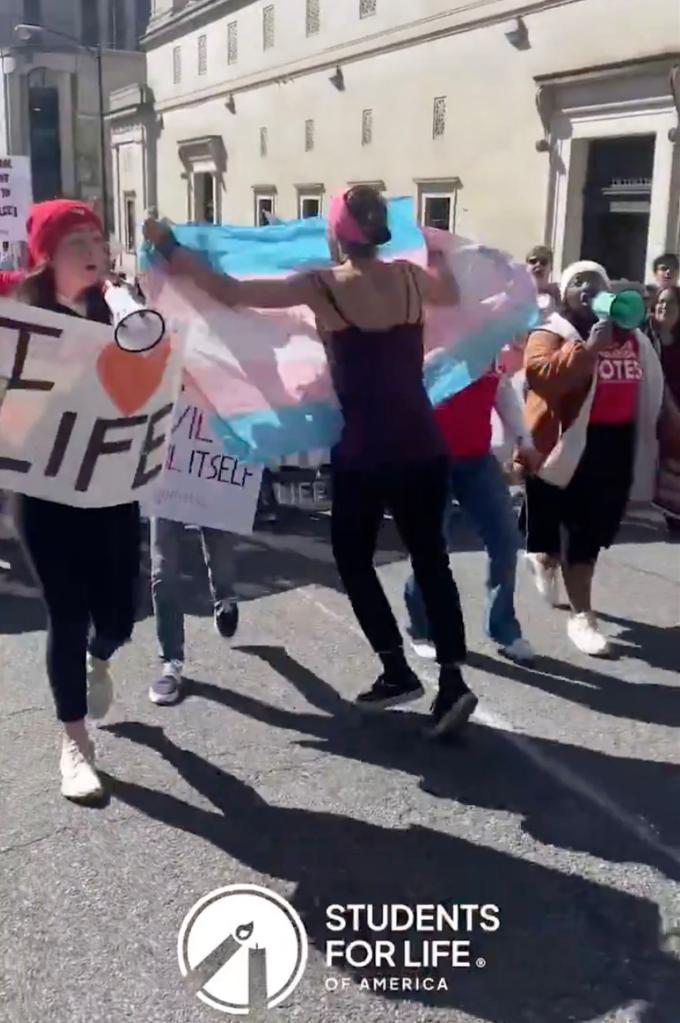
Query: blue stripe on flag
278	249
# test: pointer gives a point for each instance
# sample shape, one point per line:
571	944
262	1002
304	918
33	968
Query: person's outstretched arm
268	293
438	283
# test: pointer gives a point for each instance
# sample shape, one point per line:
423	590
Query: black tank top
378	378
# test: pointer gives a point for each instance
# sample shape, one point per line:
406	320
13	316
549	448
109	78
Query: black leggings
87	563
416	495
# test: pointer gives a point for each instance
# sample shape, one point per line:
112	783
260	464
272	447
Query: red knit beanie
48	222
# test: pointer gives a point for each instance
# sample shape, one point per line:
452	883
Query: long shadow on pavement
656	645
648	702
568	948
485	770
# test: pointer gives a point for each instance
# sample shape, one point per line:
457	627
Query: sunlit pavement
561	806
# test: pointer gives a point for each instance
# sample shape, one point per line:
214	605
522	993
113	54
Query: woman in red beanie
86	559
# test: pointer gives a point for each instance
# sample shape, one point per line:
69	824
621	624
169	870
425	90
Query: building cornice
453	22
654	63
160	27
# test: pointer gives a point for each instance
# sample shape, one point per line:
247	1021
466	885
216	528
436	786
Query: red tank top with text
619	374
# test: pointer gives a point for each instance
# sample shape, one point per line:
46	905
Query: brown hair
38	289
369	210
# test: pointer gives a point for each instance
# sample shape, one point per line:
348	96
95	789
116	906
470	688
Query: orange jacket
559	373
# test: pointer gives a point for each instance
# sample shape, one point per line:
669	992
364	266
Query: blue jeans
166	543
480	489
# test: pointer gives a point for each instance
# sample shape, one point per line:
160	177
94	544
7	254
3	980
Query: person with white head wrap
594	395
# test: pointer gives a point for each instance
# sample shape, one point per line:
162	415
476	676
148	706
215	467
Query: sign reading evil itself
201	484
81	422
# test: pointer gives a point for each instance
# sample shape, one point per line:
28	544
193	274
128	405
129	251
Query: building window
439	118
309	206
366	127
264	142
309	135
44	126
204	197
313	17
268	27
32	12
265	209
367	8
177	64
202	55
232	42
438	211
143	13
89	23
130	225
119	28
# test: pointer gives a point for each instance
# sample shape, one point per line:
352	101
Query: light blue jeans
480	488
166	545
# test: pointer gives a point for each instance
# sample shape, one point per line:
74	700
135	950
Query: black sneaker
226	621
390	691
453	706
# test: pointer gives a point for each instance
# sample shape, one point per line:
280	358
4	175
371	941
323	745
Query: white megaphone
136	328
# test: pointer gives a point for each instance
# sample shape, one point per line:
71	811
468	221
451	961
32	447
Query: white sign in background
15	197
201	485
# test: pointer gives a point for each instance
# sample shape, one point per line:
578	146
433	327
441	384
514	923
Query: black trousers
577	522
416	495
86	561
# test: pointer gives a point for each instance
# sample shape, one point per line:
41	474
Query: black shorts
577	522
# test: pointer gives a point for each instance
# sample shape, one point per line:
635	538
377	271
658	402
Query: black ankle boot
454	704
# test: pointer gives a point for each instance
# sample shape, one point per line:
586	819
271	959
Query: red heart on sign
131	378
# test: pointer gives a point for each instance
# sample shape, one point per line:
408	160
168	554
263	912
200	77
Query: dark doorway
617	202
43	104
204	198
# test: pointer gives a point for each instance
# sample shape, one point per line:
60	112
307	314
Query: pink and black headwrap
346	226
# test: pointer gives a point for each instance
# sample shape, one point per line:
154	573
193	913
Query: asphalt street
561	806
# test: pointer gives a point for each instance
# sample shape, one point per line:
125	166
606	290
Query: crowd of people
592	411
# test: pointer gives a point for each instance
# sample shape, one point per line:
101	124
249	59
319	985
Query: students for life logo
242	949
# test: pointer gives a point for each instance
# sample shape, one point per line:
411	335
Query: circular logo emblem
242	948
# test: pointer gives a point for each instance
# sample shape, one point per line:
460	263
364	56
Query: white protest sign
82	422
201	485
15	197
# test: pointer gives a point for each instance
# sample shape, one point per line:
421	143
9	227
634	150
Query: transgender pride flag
264	374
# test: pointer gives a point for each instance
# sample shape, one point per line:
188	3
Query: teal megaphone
625	308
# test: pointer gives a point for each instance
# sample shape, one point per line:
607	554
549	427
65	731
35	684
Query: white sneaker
79	780
546	580
584	632
423	648
99	688
520	651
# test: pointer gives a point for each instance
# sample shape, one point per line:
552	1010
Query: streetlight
28	32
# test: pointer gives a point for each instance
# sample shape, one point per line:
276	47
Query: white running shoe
423	648
99	688
546	580
584	632
520	651
79	780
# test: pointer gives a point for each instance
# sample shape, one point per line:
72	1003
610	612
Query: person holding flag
370	315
